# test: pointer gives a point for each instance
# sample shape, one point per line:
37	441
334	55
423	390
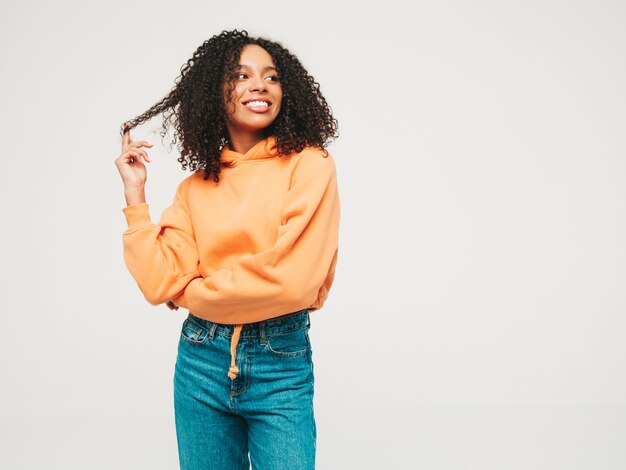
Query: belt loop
212	329
263	336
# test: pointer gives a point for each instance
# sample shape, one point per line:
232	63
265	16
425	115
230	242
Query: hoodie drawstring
233	371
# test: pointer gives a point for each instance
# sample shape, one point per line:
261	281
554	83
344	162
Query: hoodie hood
265	148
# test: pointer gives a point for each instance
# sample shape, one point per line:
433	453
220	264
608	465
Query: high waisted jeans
263	416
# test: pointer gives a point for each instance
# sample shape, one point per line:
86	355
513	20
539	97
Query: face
256	98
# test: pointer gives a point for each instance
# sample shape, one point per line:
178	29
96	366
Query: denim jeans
265	415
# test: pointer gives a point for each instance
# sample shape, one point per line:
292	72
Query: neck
241	142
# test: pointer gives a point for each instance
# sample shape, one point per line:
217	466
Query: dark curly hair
197	103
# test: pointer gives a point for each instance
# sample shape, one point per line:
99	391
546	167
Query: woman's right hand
129	164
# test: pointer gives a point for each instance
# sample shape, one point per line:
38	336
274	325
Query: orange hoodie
259	244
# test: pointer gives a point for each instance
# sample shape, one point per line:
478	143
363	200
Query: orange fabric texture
261	243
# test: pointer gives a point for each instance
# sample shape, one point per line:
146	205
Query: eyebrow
269	67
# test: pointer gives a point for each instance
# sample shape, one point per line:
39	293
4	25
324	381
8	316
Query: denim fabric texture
264	416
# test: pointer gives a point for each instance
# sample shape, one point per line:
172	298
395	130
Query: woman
249	246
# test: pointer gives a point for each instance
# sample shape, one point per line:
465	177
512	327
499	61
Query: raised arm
162	258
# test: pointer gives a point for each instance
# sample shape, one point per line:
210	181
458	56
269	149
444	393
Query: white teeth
256	104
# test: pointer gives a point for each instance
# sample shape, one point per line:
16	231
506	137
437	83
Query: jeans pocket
193	332
289	343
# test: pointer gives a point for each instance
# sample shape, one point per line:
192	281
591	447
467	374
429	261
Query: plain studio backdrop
477	316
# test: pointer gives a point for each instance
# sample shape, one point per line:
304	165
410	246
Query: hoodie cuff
181	301
137	215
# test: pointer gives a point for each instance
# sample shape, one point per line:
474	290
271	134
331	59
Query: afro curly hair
197	103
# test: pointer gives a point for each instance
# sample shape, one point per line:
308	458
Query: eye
240	75
273	78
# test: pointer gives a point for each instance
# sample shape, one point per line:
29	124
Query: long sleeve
296	272
162	258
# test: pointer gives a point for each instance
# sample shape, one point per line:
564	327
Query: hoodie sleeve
297	271
162	258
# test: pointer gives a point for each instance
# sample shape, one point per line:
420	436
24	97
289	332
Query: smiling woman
250	255
253	103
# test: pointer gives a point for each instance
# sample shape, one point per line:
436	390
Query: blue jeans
265	415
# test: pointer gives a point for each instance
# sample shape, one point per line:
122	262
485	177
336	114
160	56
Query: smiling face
256	98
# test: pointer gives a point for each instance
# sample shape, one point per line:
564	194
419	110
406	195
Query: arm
292	273
162	258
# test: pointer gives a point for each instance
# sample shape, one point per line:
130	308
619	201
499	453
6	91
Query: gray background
477	317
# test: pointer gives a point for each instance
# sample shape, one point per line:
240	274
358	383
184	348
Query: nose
257	84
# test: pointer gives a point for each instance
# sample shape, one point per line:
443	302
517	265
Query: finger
125	138
132	156
126	141
145	155
139	154
140	143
